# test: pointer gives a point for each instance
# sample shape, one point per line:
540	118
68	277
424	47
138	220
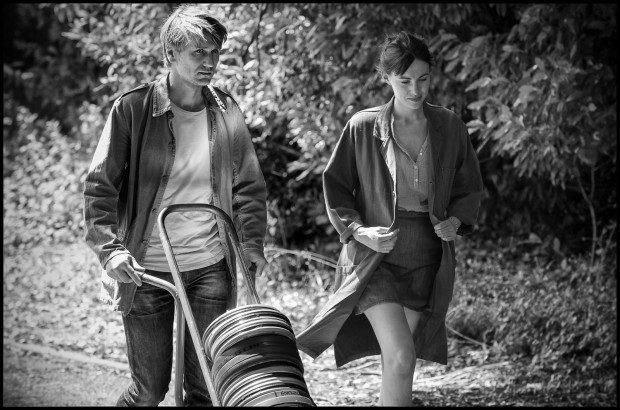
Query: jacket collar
383	131
161	99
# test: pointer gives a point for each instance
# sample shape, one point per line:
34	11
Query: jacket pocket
347	262
351	255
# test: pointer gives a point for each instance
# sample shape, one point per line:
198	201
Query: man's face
196	63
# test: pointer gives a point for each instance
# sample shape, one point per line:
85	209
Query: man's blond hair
187	25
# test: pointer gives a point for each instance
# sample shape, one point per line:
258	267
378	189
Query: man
173	140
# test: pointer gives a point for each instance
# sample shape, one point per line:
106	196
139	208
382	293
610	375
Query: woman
402	182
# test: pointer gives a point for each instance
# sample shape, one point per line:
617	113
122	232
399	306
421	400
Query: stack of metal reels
254	359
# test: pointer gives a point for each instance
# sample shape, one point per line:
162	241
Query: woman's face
411	88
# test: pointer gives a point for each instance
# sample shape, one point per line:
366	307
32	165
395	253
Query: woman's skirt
406	275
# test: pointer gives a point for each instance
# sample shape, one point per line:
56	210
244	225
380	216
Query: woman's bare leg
392	330
413	318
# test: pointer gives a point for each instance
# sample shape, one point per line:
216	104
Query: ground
62	347
46	377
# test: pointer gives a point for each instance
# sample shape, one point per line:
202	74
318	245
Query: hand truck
266	372
183	310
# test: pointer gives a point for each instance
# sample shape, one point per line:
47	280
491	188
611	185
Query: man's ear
170	54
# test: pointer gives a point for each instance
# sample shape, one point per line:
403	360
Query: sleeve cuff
347	235
247	246
113	255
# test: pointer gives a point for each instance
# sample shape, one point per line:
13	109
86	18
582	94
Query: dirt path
73	353
39	377
34	380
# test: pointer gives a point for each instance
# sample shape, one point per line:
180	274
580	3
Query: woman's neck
407	114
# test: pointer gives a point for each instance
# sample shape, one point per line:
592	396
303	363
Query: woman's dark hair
399	50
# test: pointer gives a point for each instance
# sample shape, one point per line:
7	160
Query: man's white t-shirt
193	235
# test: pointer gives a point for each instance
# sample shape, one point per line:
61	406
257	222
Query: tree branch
589	200
256	32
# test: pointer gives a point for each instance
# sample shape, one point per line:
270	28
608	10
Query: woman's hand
446	230
377	238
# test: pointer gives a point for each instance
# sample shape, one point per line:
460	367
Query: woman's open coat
360	189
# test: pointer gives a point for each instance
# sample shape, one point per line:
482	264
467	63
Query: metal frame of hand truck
183	310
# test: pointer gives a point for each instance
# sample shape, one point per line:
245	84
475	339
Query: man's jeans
148	330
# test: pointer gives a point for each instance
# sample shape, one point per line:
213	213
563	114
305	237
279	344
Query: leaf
476	105
339	25
348	51
451	65
452	54
539	76
539	63
475	125
479	83
505	114
556	244
527	93
510	48
573	51
533	238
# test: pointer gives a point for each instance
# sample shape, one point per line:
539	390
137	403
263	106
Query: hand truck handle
178	382
230	230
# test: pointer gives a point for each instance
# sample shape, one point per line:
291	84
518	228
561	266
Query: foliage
37	59
122	39
43	176
536	308
544	107
531	80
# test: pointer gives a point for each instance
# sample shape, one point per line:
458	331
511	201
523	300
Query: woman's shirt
411	176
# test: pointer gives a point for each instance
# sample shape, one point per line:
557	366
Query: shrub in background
535	82
43	177
535	307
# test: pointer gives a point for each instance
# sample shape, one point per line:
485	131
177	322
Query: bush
535	83
43	176
545	310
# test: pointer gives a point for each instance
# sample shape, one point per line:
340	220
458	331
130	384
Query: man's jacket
131	166
360	189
